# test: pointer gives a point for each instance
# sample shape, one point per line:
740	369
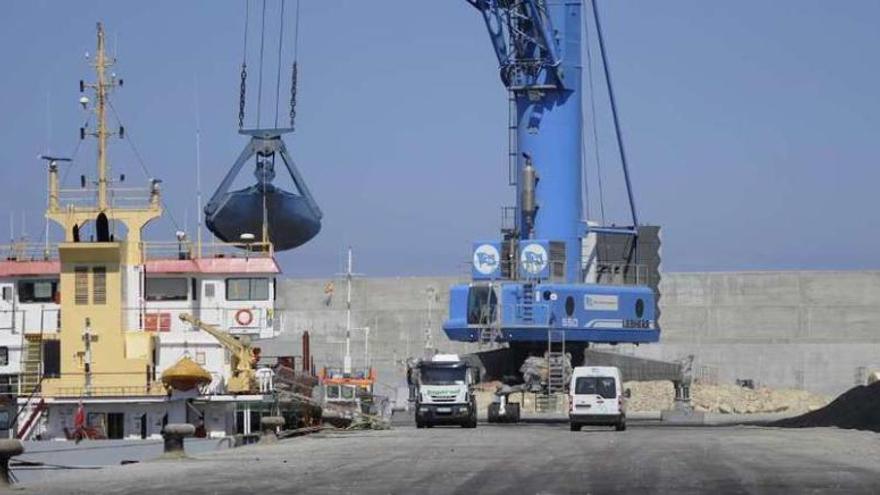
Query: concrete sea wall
817	330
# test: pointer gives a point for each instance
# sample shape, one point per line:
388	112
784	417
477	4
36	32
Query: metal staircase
527	313
31	364
30	380
556	370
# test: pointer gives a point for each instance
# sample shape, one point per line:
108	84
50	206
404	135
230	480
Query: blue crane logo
533	259
486	259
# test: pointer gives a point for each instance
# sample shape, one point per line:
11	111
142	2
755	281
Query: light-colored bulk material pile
659	396
725	399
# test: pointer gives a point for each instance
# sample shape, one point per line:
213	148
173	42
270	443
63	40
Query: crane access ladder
557	368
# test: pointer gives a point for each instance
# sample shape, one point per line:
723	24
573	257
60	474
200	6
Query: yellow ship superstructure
94	321
101	352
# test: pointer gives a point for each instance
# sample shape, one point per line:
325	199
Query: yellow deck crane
243	356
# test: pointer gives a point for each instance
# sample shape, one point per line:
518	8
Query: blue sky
751	126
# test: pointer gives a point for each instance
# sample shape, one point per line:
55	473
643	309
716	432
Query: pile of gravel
857	409
724	399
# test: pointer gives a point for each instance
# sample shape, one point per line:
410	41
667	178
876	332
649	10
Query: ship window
200	358
347	392
209	291
166	289
194	285
7	293
81	285
4	420
247	289
4	356
37	291
100	285
333	391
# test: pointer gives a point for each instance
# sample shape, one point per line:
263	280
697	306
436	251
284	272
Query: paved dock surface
524	458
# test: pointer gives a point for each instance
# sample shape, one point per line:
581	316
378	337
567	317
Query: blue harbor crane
542	281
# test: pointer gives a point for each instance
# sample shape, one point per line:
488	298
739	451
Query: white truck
596	397
445	392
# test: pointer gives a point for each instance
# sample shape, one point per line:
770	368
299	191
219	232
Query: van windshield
596	385
442	375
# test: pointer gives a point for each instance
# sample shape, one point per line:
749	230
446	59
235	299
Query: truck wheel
575	427
471	423
419	425
621	425
513	412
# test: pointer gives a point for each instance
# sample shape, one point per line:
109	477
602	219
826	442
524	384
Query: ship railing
187	250
217	386
119	197
28	251
30	318
150	387
110	391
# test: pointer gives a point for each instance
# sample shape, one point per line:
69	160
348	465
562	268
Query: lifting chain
241	96
293	96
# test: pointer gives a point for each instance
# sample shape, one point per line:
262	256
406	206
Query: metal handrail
186	249
28	251
607	273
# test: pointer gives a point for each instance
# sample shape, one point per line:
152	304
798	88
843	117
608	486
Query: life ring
244	317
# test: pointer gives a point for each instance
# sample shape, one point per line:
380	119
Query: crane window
482	302
247	289
37	291
166	289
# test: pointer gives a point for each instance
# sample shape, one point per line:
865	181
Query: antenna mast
102	63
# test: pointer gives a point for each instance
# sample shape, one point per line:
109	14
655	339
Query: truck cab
445	394
596	397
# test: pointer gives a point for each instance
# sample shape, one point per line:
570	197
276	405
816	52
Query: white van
596	397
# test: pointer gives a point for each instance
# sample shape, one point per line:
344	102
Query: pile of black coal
856	409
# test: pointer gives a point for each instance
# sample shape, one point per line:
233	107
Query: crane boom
243	357
226	340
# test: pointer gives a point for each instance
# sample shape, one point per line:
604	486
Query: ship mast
136	212
102	86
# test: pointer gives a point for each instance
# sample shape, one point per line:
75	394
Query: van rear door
595	395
